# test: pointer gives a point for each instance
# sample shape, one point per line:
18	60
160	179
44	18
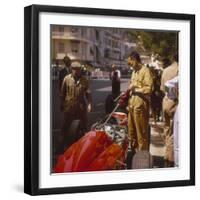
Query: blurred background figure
166	63
176	132
169	107
115	78
65	71
156	96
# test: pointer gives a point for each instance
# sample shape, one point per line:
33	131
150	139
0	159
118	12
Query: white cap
76	64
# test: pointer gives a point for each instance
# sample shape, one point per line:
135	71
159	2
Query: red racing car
104	147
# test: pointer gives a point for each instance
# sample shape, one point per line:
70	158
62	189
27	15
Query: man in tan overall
76	99
138	105
169	108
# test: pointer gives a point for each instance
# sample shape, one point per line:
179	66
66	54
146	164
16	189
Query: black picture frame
31	98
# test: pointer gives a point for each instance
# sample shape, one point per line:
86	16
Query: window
97	34
109	42
61	29
75	46
104	40
91	51
74	30
61	47
82	32
91	34
106	53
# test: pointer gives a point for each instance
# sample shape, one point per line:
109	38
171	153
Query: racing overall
74	107
138	105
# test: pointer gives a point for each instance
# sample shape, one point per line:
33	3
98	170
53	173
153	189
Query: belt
144	97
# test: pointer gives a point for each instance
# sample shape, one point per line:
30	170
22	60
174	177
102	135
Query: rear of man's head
67	61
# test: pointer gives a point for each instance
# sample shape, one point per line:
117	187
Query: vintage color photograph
114	99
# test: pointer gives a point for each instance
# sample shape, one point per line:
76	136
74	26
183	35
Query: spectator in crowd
171	88
169	106
65	71
156	96
115	77
165	63
176	125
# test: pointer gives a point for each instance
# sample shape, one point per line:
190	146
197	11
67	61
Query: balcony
71	36
65	34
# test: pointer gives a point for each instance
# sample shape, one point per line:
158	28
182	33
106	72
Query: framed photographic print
109	99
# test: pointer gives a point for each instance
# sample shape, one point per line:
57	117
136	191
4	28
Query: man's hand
123	101
131	87
89	107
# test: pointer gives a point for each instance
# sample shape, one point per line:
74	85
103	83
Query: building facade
99	47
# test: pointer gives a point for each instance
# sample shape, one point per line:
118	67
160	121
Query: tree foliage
162	43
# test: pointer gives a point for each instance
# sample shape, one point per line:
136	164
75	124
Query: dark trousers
116	88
